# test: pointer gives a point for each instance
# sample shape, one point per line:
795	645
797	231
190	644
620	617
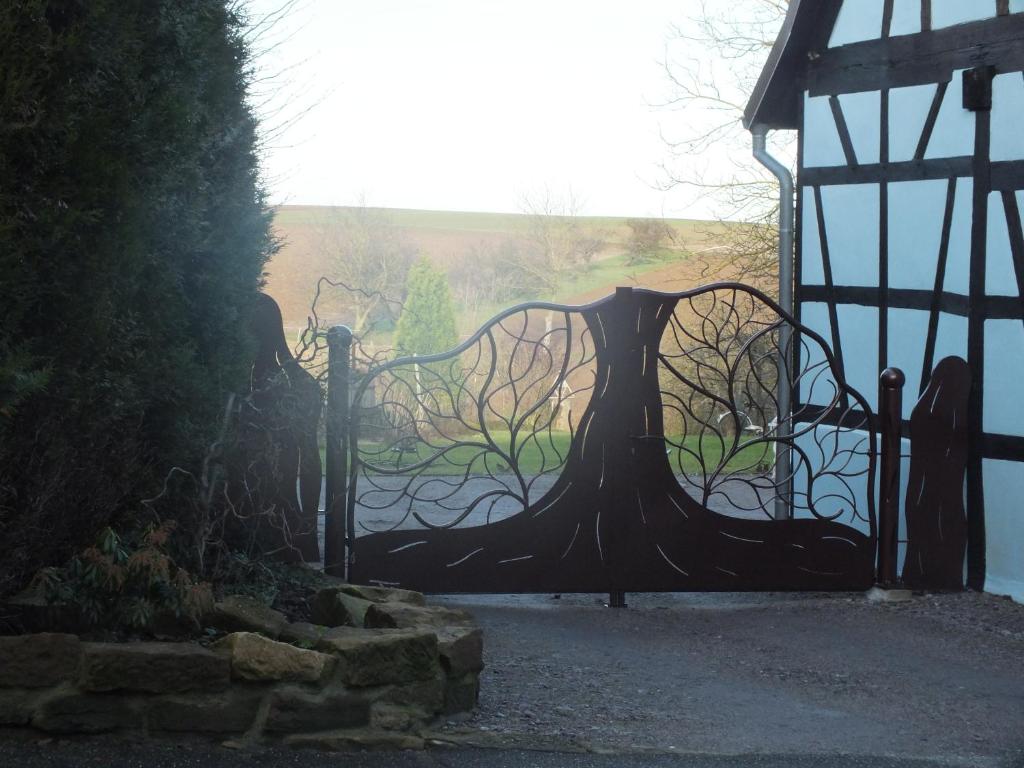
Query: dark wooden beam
929	123
826	268
991	307
918	59
843	130
940	282
976	353
1008	174
876	173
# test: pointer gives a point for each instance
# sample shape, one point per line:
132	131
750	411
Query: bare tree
368	256
646	238
485	273
712	63
555	241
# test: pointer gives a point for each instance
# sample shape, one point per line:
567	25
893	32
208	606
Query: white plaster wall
811	269
916	211
858	20
953	135
822	147
852	228
1008	116
958	259
1004	524
1016	6
1000	277
906	17
951	338
908	111
908	334
863	115
845	451
946	13
858	333
1004	373
817	385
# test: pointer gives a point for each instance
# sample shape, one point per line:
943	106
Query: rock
152	667
461	649
239	613
334	608
72	712
17	705
346	741
302	634
461	695
884	595
232	711
382	656
299	712
38	661
259	659
391	717
384	594
399	615
424	696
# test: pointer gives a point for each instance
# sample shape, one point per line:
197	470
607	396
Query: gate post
890	409
339	344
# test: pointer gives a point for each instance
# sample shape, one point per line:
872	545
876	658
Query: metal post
783	507
339	346
890	410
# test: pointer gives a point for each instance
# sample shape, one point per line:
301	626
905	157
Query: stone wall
377	668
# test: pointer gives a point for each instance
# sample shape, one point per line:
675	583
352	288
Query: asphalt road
101	753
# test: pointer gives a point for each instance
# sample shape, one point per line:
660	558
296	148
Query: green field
537	455
444	237
469	221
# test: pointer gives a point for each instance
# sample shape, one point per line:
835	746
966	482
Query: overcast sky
472	104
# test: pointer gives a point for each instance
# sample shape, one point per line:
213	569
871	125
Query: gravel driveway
940	677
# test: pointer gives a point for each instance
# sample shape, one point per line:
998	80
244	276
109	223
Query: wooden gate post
890	412
339	344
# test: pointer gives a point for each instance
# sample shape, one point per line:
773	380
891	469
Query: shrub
133	234
119	585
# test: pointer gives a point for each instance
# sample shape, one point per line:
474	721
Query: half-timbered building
909	244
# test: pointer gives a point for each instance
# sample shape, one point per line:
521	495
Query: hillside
466	244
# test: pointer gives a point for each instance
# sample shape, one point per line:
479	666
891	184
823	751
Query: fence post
339	344
783	505
890	409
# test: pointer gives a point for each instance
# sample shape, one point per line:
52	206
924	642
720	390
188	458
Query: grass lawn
545	453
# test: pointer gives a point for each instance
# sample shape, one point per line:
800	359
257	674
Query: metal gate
702	440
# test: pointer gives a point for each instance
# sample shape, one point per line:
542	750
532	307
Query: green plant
116	584
427	322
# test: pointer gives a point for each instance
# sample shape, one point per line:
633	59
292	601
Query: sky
471	104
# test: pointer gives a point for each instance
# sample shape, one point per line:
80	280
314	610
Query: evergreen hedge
133	234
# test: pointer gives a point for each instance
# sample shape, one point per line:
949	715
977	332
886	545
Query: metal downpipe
783	465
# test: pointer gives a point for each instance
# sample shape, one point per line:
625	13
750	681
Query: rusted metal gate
649	441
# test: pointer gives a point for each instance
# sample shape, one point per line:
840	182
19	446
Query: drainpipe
783	509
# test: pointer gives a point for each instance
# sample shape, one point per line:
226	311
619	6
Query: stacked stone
376	669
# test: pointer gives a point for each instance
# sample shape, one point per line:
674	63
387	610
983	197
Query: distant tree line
133	235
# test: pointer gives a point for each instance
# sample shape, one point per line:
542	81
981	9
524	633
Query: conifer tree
427	322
